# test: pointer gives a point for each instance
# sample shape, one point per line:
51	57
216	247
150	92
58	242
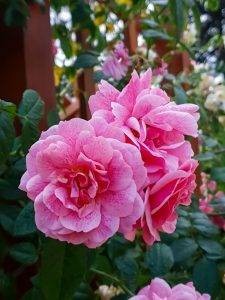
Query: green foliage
31	111
159	259
63	269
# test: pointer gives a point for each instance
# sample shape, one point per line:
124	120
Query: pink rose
117	62
150	121
159	289
84	181
157	127
162	199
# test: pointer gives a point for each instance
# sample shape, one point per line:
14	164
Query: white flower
190	35
107	292
207	81
216	99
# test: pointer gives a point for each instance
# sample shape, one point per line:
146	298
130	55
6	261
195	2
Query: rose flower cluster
126	169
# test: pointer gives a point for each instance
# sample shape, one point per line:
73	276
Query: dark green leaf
204	226
65	43
159	259
8	215
86	60
7	134
31	110
218	174
25	223
206	277
24	253
9	189
177	9
53	117
154	34
213	249
62	269
128	269
183	249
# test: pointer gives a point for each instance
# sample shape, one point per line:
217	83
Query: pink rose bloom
150	121
162	199
84	181
159	289
117	62
157	127
212	185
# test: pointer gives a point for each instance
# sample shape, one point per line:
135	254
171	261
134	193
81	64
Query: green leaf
128	269
150	23
177	9
159	259
205	156
206	277
218	174
25	223
8	107
24	253
31	111
180	95
31	107
9	189
183	249
213	249
63	268
160	2
8	214
154	34
86	60
16	13
204	226
212	4
183	226
7	134
53	117
65	43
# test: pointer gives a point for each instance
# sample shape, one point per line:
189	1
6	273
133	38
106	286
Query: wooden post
85	83
27	59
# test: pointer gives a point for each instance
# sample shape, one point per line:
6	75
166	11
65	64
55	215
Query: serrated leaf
25	223
204	226
159	259
183	249
63	268
24	253
213	249
31	110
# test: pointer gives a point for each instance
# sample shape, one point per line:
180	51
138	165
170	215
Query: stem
113	279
